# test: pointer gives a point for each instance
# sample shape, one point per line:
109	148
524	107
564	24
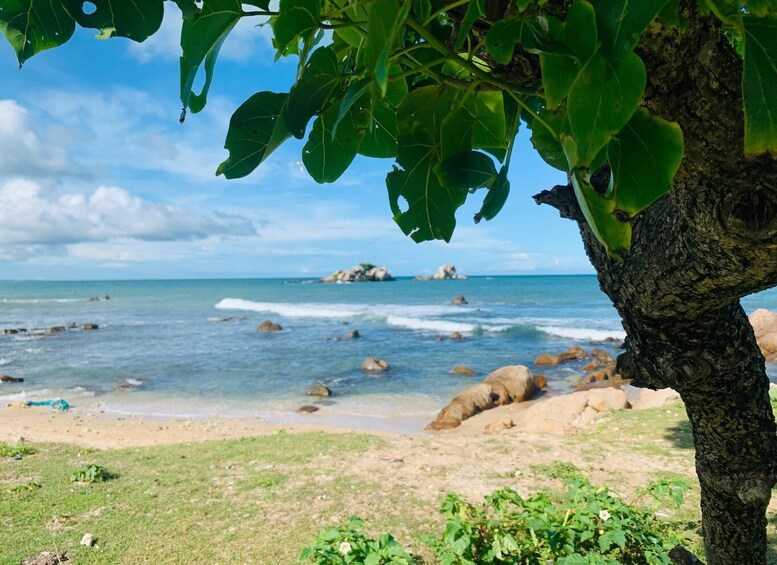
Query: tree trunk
695	253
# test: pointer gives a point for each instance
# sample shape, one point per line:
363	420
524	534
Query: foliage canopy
443	89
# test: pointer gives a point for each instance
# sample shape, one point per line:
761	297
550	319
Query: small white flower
604	515
345	548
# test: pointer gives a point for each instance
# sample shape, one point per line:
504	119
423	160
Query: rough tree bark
695	253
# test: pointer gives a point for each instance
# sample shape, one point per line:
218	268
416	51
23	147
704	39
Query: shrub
92	474
15	450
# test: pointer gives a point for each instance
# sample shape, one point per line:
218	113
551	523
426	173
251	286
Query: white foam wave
303	310
5	361
134	382
590	334
429	325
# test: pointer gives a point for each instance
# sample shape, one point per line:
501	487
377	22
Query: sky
98	180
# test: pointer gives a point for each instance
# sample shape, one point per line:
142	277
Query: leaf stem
435	15
259	13
720	15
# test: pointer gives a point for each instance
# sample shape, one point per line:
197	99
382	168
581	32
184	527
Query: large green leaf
431	206
136	20
599	212
495	198
476	9
256	129
621	22
295	18
548	146
644	158
380	140
327	154
201	38
32	26
309	96
477	121
759	84
601	101
504	35
472	169
384	19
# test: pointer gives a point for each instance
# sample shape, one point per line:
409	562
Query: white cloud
246	41
31	214
23	151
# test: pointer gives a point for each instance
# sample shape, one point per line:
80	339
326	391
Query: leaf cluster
92	474
442	89
19	449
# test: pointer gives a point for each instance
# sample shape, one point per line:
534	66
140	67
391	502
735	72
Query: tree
630	98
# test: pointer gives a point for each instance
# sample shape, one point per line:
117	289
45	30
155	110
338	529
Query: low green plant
24	487
666	488
557	470
348	543
92	474
19	449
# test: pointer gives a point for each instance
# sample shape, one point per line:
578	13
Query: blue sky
99	181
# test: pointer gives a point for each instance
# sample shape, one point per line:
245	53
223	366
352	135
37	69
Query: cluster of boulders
443	272
764	325
46	332
364	272
601	370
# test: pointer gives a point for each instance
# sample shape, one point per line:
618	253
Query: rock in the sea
574	352
9	331
499	425
364	272
268	326
541	381
456	336
462	370
57	329
353	335
764	325
459	300
89	327
601	359
447	271
308	409
10	379
562	414
320	390
513	383
373	364
655	398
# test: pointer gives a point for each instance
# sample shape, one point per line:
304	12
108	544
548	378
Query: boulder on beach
10	379
308	409
499	425
268	326
459	300
573	353
513	383
655	398
364	272
462	370
373	364
764	325
541	381
565	413
320	390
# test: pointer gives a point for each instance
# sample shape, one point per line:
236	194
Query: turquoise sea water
167	338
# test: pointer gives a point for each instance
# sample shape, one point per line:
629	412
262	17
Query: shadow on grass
771	541
680	435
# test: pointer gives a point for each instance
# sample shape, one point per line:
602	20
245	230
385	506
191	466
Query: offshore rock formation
364	272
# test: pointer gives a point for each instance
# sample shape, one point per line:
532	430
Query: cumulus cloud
24	152
31	214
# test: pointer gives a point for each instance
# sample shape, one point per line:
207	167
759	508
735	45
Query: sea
190	348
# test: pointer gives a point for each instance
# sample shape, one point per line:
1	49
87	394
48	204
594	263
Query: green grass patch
17	450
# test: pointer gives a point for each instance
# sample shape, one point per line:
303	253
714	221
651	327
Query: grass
260	500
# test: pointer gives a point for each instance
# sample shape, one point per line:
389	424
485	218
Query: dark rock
9	331
308	409
89	327
57	329
10	379
320	390
459	299
456	336
541	381
353	335
268	326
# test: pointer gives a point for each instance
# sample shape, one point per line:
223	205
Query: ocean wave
5	361
435	325
589	334
41	300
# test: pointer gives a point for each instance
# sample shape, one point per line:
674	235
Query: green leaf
601	101
381	139
494	201
327	155
295	18
313	90
201	38
548	146
384	19
670	15
32	26
476	9
759	84
558	74
644	157
355	92
466	170
136	20
477	121
187	7
431	206
599	213
504	35
256	129
621	22
422	9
